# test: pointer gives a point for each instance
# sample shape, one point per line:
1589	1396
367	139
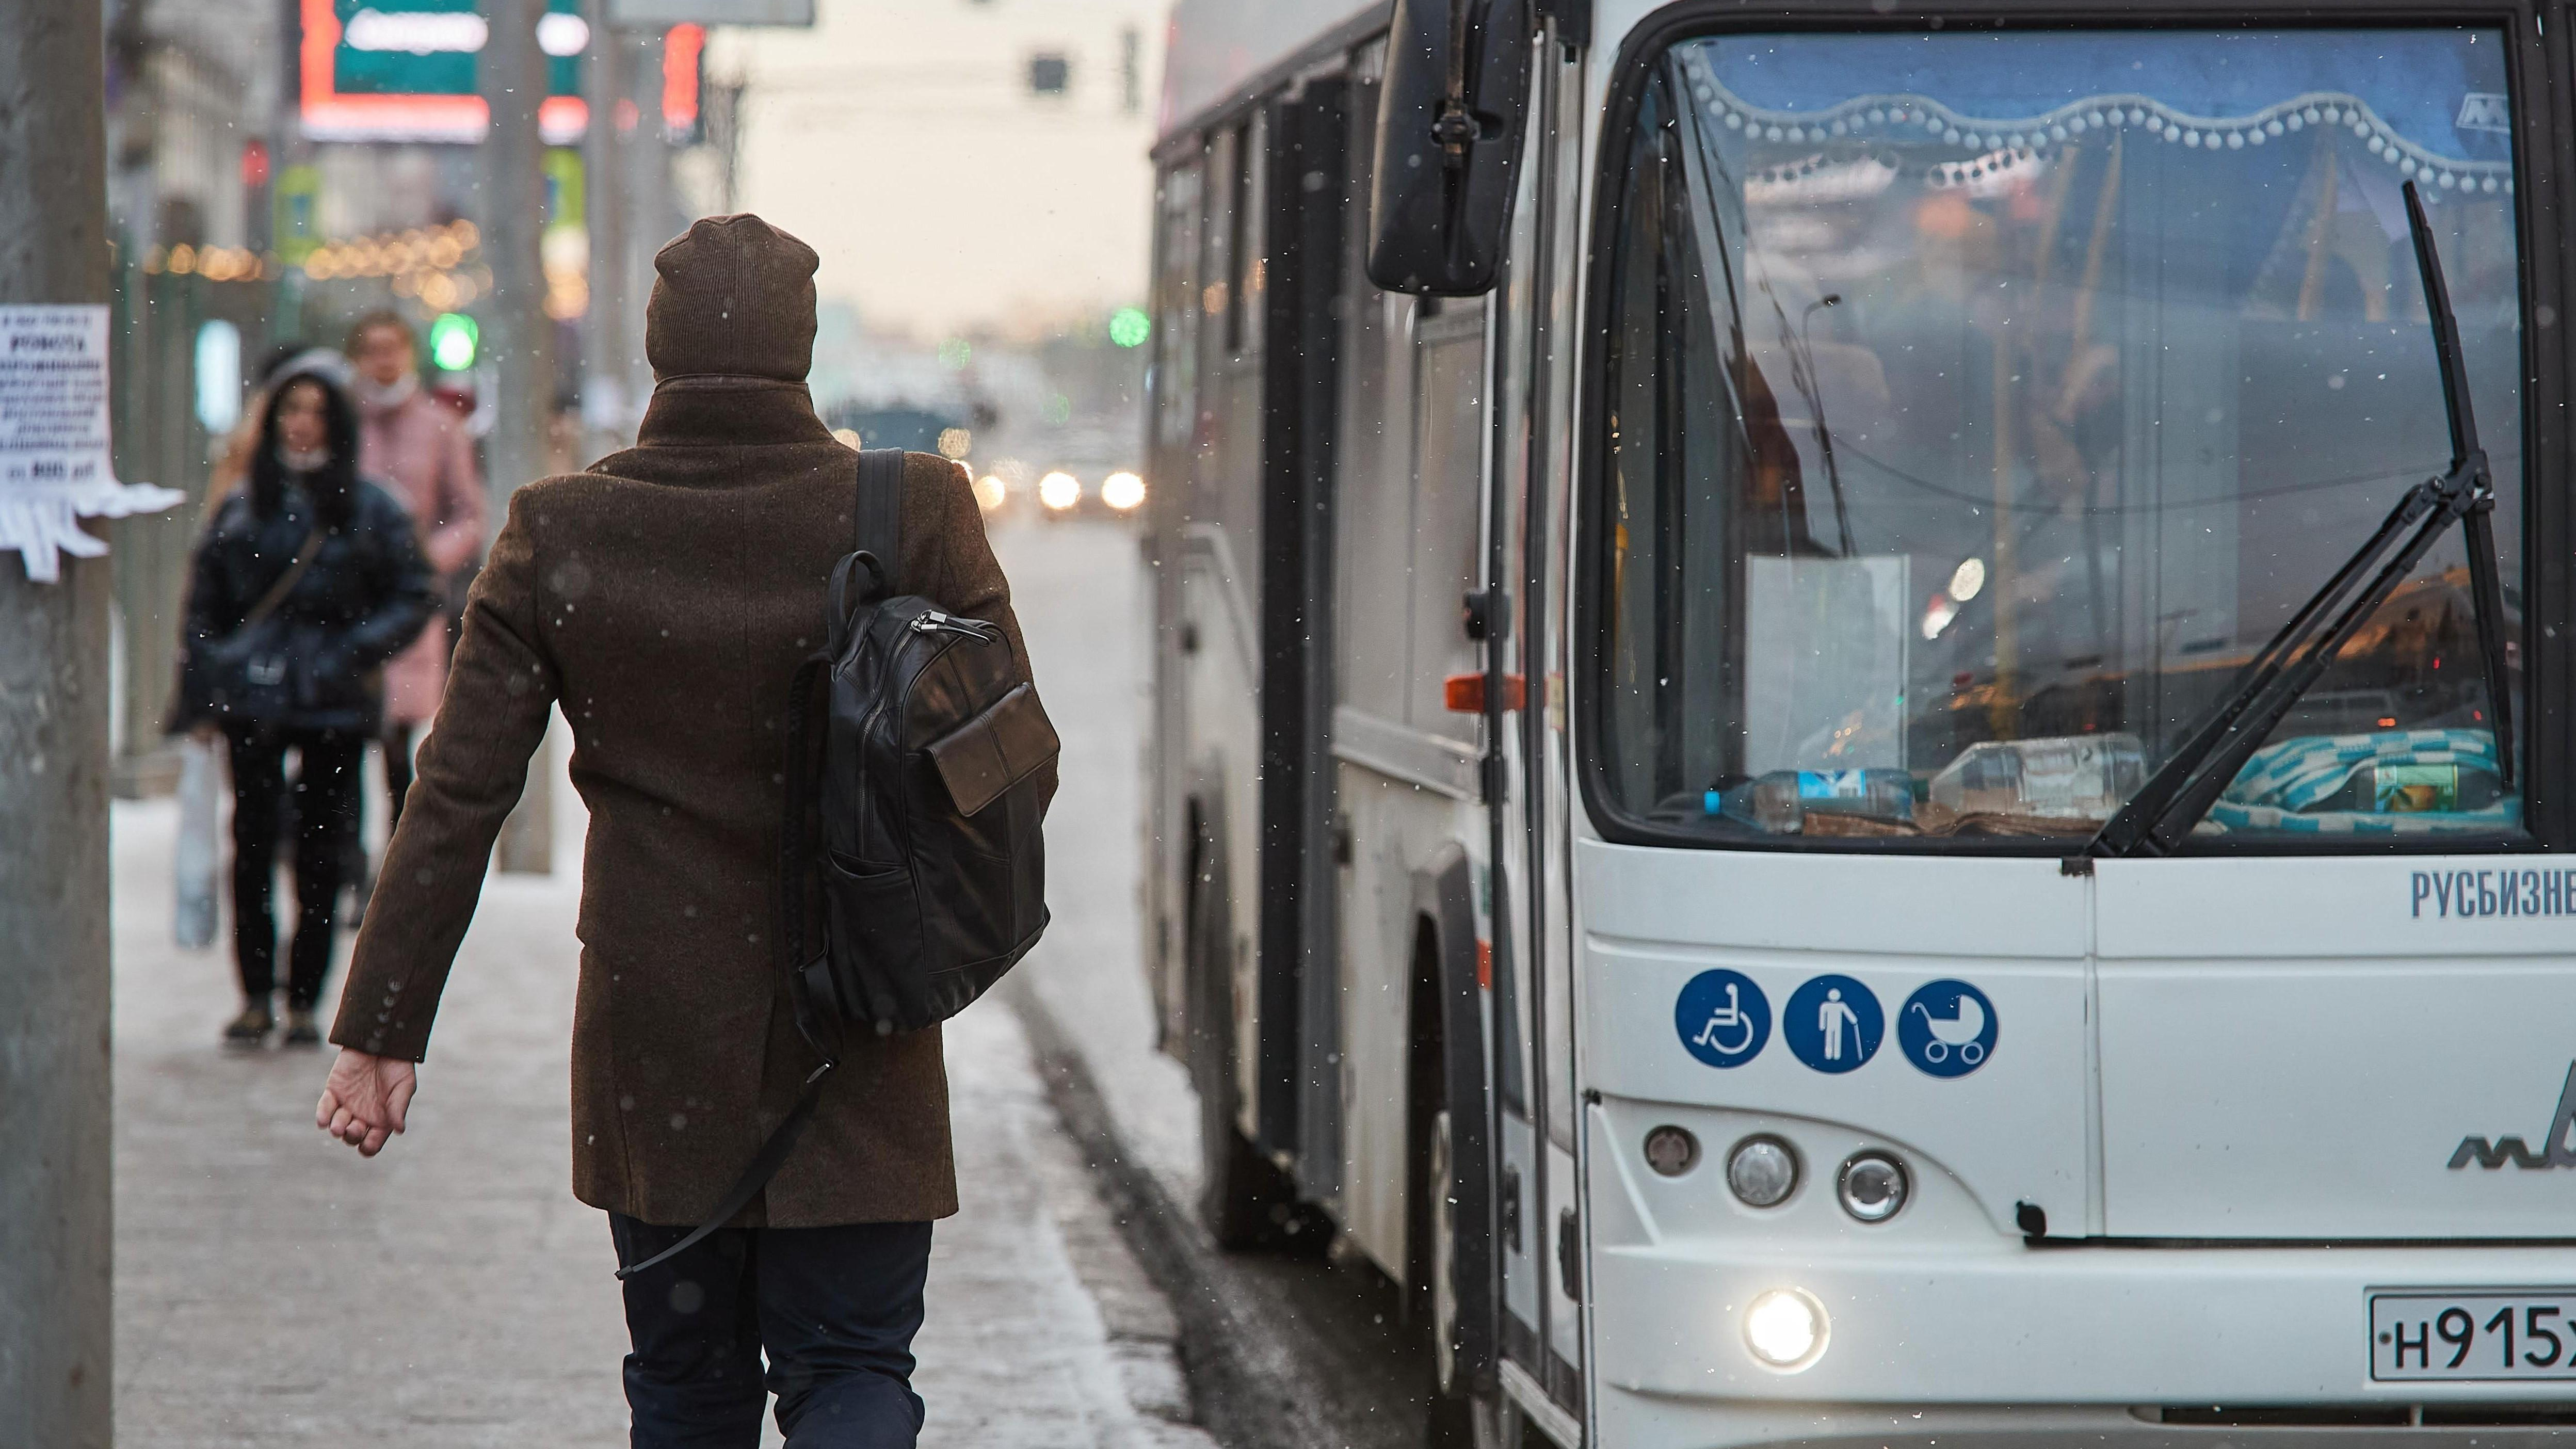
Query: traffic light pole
517	333
55	1221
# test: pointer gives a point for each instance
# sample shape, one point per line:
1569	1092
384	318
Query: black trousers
835	1309
324	793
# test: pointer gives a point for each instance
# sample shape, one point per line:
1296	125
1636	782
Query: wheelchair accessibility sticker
1947	1028
1723	1018
1833	1023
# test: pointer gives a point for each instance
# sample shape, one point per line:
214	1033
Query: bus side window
1226	468
1176	313
1448	432
1245	269
1370	510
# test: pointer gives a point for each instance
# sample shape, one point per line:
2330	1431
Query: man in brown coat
664	599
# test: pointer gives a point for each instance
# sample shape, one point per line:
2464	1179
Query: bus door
1299	1108
1536	1202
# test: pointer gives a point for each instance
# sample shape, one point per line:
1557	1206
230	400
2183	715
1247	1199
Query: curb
1236	1388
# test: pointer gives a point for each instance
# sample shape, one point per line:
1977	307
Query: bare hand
365	1100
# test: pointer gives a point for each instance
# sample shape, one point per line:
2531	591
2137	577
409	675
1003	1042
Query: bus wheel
1450	1415
1243	1199
1455	1417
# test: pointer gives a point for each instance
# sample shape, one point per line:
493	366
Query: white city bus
1835	779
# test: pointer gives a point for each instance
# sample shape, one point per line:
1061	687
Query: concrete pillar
55	1220
616	317
651	219
517	334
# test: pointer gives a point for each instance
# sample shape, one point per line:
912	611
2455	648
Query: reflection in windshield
1982	403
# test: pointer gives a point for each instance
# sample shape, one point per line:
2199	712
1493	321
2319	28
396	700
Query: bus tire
1243	1199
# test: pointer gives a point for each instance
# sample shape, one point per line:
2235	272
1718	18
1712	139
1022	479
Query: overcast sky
900	139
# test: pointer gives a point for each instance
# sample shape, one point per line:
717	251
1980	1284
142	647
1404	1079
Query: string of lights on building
439	266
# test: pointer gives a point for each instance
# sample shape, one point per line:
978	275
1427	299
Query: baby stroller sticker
1947	1028
1723	1018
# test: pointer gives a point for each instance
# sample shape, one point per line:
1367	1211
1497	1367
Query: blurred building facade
279	168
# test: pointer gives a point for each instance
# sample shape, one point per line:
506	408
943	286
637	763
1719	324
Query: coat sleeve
403	592
500	692
203	619
459	499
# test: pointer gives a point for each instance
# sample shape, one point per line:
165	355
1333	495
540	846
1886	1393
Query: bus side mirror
1449	124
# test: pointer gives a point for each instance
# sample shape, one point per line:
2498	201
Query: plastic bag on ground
193	862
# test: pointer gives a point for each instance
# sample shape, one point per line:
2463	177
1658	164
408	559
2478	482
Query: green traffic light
1129	327
452	341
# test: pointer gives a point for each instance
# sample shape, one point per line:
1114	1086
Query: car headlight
1059	490
1122	491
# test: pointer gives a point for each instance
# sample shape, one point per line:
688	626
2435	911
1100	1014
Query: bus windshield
1979	404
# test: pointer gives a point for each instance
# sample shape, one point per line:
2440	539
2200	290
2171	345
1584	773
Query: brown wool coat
664	599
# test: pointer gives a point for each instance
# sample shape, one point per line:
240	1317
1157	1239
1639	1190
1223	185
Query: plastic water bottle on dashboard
2080	777
1781	801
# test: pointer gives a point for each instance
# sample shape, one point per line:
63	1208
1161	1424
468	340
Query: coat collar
728	410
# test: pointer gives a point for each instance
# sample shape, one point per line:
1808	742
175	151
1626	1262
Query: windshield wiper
2161	815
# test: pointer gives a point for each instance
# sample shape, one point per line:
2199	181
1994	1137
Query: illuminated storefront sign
404	70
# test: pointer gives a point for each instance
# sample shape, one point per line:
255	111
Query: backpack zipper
936	622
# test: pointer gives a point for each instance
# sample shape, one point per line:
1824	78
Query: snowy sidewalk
275	1290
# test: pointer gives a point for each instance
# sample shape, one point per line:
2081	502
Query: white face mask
387	395
298	461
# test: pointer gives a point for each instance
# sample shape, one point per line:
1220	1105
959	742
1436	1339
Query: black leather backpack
932	867
932	864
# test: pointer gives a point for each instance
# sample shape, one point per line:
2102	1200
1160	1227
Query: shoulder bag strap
286	582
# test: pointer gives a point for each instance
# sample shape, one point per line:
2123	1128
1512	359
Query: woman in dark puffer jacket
307	581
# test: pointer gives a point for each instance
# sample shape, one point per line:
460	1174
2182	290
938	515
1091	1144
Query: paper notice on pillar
54	442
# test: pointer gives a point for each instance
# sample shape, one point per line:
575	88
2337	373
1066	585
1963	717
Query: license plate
2529	1334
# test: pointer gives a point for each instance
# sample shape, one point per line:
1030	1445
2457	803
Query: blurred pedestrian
232	461
664	599
307	582
419	449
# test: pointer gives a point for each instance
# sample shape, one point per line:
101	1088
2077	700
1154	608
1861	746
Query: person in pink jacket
419	448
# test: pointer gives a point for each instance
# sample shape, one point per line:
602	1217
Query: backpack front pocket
876	950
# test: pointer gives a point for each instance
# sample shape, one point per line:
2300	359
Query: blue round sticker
1723	1018
1833	1023
1947	1028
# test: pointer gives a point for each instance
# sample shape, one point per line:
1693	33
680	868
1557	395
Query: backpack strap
764	1166
879	513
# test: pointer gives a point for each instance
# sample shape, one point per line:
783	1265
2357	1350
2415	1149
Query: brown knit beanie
733	295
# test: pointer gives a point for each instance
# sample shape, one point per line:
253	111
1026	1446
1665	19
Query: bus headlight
1785	1328
1122	491
1872	1186
1059	491
1763	1171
